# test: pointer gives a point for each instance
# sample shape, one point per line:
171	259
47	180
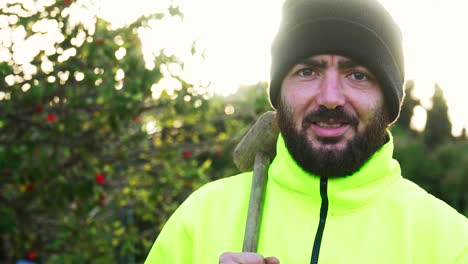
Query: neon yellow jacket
373	216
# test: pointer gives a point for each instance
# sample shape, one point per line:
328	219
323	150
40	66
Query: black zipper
323	218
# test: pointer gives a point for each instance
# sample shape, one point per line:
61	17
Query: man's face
331	115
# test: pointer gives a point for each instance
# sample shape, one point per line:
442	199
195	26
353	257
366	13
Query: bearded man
334	192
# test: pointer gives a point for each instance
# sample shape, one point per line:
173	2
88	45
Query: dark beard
332	163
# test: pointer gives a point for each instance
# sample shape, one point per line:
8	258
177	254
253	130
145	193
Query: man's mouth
329	123
325	124
328	128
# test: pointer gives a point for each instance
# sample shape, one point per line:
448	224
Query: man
334	192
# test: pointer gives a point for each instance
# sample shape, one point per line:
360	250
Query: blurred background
113	112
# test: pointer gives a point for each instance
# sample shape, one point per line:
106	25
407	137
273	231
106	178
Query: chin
328	147
339	143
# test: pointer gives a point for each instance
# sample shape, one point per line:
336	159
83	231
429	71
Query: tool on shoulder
255	151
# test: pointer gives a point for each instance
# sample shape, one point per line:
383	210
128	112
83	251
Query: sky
236	35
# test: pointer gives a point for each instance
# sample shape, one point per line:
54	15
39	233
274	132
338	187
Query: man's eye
359	76
306	72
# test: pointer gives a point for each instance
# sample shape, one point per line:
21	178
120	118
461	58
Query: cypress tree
438	126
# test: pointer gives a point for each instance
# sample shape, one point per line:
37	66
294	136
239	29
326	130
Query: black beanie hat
359	29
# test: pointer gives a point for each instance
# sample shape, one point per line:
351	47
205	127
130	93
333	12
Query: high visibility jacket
372	216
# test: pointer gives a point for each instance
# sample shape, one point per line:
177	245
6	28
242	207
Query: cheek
292	110
368	109
366	102
297	94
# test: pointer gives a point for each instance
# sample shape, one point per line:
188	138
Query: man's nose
331	93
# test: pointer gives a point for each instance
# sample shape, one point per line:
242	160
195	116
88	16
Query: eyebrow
313	63
348	64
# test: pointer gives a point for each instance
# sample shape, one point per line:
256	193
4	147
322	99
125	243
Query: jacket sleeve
174	243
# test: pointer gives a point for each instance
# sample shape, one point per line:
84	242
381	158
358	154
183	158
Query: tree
97	149
463	135
409	103
70	130
438	127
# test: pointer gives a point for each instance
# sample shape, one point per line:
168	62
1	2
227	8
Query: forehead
327	60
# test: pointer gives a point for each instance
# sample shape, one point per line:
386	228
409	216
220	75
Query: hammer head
261	137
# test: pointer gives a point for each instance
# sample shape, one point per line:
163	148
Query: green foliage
75	158
438	127
96	152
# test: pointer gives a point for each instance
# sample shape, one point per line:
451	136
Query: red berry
100	178
187	154
30	187
32	255
51	118
39	109
137	119
218	152
67	2
99	41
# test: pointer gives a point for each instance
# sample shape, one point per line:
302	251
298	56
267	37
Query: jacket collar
345	194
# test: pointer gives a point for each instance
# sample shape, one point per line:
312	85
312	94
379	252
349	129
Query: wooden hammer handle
257	194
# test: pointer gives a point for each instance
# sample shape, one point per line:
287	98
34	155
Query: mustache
324	114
